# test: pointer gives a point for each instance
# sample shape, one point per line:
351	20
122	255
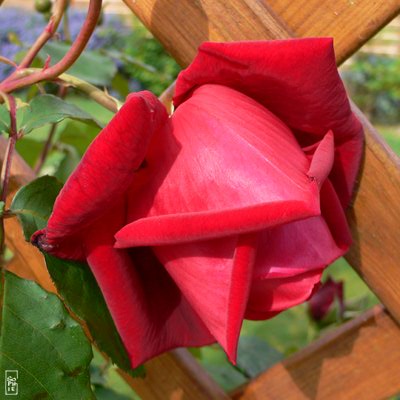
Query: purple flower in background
329	294
30	25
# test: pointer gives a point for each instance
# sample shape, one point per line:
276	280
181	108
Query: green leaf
78	287
4	119
68	163
49	109
74	281
43	343
29	149
255	355
91	65
33	203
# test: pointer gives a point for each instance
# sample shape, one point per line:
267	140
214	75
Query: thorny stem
48	145
47	34
6	60
99	96
70	57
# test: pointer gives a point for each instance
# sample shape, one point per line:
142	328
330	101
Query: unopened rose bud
325	299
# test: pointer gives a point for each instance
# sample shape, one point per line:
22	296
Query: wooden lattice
361	359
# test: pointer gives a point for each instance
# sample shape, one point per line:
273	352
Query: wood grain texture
182	26
350	22
176	376
359	360
375	220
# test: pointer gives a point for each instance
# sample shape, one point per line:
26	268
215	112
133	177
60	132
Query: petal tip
39	240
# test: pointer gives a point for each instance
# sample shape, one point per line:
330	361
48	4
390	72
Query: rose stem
70	57
62	91
47	34
6	60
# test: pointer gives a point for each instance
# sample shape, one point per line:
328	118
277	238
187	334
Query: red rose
230	209
323	300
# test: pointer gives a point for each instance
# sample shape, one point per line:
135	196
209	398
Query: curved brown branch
70	57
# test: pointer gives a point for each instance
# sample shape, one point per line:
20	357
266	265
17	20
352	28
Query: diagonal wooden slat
181	29
182	26
350	22
175	375
375	220
359	360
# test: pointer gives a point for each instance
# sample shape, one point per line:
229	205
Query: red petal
295	79
189	227
334	216
107	169
226	170
322	160
215	278
296	248
271	296
304	246
149	311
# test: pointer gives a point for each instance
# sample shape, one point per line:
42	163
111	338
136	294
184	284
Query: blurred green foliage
141	46
374	83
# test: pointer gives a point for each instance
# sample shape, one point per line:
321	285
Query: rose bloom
329	297
229	209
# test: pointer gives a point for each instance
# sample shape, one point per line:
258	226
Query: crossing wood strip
350	22
375	221
175	375
359	360
182	28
